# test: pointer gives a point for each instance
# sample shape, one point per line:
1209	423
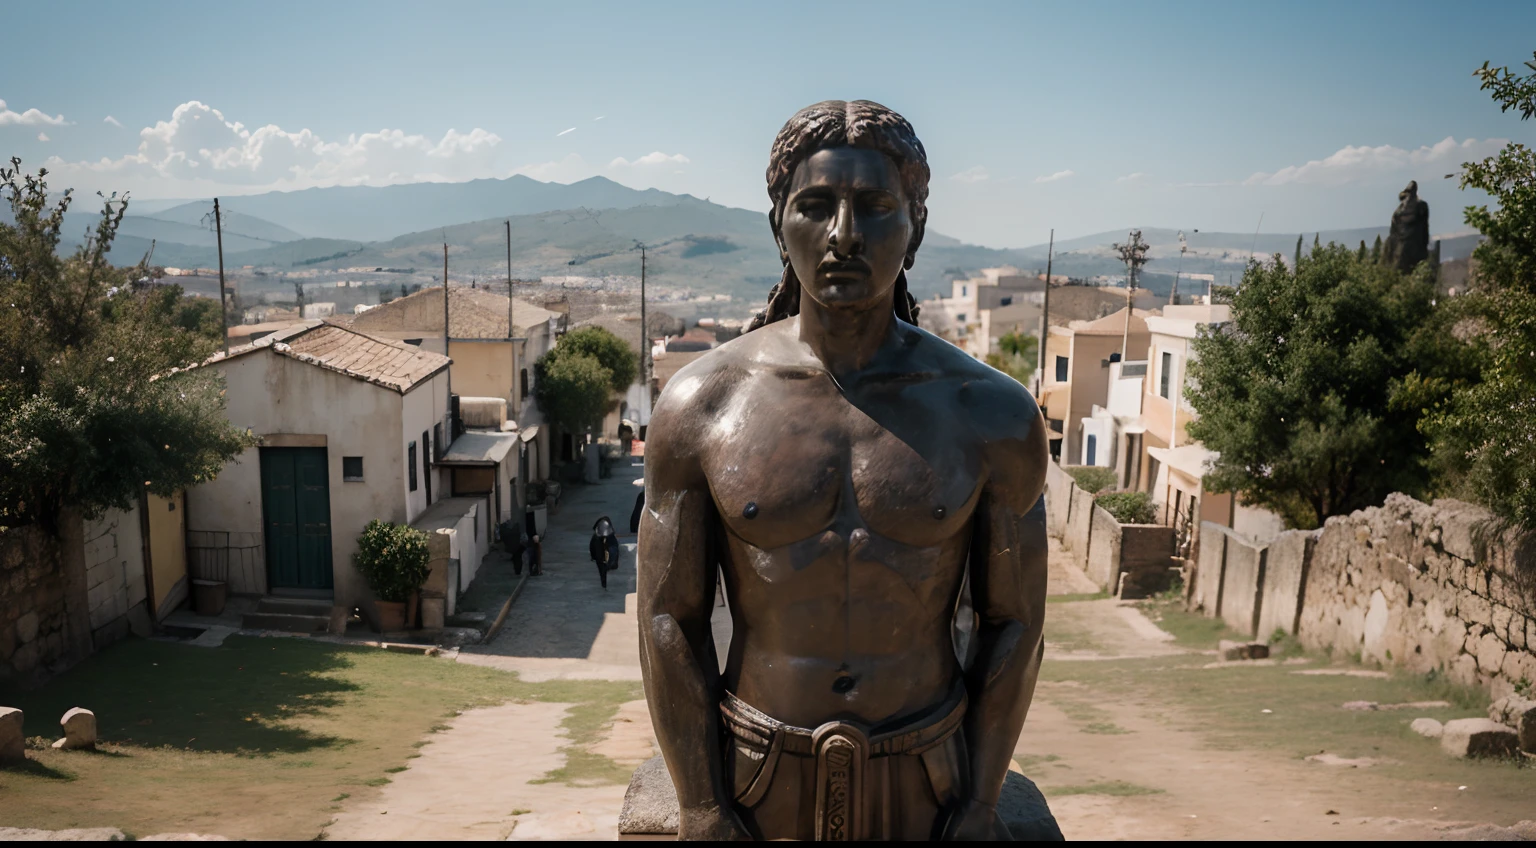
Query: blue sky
1084	117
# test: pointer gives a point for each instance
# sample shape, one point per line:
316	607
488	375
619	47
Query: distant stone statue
1408	243
850	474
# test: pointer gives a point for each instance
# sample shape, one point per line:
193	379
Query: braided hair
841	123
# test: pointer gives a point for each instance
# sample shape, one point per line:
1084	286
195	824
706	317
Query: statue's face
846	227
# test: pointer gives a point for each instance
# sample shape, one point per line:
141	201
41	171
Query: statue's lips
844	271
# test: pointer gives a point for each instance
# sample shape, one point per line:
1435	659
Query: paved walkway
565	625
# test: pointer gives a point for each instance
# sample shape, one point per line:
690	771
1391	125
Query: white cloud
42	136
563	132
111	120
1130	178
1351	163
199	148
974	174
649	159
1059	175
29	118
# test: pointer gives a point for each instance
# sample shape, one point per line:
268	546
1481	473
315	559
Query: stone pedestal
650	807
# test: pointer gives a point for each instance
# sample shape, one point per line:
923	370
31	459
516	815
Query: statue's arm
676	593
1008	585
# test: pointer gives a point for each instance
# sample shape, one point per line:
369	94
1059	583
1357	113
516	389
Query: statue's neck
846	341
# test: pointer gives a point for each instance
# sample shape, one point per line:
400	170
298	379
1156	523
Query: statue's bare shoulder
1000	411
695	395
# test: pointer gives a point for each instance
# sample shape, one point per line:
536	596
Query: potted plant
393	559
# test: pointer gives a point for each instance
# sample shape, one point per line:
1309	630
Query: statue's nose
845	239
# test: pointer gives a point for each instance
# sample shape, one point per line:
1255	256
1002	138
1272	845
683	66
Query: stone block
1490	653
26	627
1427	727
79	730
13	743
650	806
1479	737
1209	567
1242	586
1104	550
1285	582
1519	713
1242	650
437	577
1079	527
432	613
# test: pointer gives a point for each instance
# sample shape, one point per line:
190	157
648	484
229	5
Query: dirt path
1128	766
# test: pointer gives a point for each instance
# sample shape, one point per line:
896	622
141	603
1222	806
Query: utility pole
1173	297
449	428
1134	254
512	334
218	226
645	346
1045	316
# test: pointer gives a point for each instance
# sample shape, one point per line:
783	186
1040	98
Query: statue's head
849	185
1411	193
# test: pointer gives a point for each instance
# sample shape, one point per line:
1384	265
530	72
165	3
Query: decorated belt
842	751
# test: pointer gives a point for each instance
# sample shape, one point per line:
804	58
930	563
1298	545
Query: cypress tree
1360	257
1297	263
1376	250
1316	238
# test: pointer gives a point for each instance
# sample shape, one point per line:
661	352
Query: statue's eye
815	208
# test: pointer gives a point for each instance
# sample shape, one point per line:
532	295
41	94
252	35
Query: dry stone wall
33	619
1129	560
1420	587
1424	588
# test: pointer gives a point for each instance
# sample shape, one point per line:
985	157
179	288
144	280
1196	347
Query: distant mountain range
592	228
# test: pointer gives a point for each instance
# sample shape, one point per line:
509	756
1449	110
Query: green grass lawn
259	738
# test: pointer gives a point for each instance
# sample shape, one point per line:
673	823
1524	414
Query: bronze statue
1408	241
846	473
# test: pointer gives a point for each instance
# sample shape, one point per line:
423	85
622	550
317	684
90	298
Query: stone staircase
293	615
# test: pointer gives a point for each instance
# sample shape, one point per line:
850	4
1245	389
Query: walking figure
604	549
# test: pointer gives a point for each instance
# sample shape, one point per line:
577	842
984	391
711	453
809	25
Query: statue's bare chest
791	466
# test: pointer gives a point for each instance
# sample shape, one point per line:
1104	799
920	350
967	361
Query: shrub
393	559
1092	478
1129	507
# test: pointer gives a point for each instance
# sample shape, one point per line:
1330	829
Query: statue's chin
849	295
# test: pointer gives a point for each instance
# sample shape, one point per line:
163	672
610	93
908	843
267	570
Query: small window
964	292
523	382
1162	380
410	463
437	441
416	342
1007	301
1061	369
426	456
352	469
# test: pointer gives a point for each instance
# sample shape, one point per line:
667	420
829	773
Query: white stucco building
350	425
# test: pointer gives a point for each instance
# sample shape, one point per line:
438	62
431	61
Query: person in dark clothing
604	548
535	546
634	517
515	540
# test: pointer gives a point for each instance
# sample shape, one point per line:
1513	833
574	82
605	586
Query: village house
488	361
352	428
1078	377
966	318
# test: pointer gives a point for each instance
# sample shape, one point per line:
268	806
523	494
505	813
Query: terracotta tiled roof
473	314
392	365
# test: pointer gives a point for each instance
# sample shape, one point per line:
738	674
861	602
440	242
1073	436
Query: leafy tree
393	558
573	390
1486	432
1017	357
91	406
612	352
1299	394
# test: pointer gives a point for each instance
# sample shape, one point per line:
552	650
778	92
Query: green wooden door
296	503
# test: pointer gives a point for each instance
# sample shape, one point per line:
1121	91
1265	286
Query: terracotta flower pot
391	615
